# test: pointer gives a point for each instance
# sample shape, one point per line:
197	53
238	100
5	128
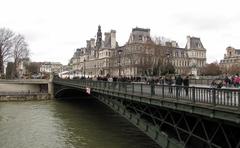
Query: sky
54	29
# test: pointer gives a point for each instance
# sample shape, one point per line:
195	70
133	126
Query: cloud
202	22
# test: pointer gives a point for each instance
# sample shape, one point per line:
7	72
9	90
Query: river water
66	124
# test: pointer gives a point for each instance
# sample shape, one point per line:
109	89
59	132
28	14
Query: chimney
92	43
88	44
113	38
188	42
107	39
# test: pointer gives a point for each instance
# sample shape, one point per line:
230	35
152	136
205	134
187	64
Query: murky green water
66	124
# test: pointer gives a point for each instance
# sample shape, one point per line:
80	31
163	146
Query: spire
99	38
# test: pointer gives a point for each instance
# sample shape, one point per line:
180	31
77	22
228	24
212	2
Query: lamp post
84	67
119	62
168	56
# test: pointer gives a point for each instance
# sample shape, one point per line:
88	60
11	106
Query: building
49	67
94	59
232	58
196	54
22	67
140	56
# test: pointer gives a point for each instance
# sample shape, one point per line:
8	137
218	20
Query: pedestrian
227	81
178	83
186	84
169	82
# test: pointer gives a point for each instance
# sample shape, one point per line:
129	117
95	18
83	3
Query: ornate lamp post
168	63
119	62
84	67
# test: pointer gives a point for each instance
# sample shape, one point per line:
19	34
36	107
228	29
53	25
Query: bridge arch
68	92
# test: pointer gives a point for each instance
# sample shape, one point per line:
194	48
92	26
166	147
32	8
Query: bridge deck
216	103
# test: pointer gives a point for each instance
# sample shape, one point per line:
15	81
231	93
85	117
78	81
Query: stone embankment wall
19	87
25	97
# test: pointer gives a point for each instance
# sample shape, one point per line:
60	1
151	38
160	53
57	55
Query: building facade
231	58
49	67
140	56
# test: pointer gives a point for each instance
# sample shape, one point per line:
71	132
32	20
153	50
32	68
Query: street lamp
119	61
168	64
84	67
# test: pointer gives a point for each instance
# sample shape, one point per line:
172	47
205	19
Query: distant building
22	67
138	57
94	59
48	67
231	58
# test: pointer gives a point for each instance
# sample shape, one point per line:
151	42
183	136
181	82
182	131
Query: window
176	54
182	54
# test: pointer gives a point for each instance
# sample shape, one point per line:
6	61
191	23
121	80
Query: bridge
173	116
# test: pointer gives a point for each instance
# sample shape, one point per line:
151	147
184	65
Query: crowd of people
232	81
177	80
228	81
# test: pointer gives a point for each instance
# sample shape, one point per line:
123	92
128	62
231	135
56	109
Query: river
66	124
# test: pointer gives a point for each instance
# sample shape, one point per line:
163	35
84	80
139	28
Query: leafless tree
212	69
232	70
6	44
20	51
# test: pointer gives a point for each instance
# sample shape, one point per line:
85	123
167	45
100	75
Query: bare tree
212	69
20	51
233	69
6	43
33	68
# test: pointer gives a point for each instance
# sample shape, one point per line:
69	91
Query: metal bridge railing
212	96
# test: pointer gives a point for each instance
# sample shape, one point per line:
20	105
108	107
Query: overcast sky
55	28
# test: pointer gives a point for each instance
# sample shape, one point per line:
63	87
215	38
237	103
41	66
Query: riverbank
25	97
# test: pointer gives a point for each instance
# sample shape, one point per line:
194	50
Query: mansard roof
140	29
194	43
237	51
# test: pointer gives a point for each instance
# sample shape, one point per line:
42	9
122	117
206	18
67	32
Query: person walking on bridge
178	83
169	82
186	84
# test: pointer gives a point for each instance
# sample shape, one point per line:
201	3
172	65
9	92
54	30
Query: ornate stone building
140	56
94	59
231	58
196	54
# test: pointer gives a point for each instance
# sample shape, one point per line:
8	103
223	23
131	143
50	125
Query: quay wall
25	97
19	88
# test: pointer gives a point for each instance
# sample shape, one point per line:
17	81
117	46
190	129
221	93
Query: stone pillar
50	86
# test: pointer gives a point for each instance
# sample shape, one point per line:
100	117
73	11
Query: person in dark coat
186	84
169	82
178	83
